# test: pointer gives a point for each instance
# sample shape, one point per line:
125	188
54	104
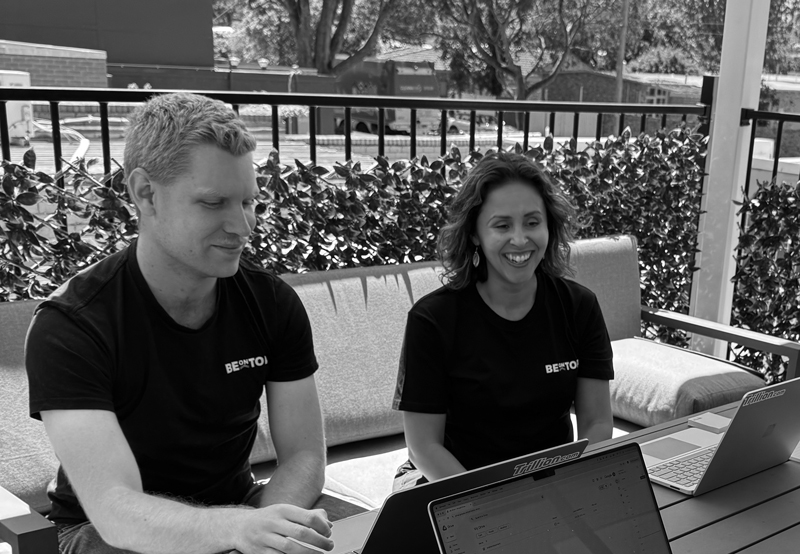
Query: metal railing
104	97
753	117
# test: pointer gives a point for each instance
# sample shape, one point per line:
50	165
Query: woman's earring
476	258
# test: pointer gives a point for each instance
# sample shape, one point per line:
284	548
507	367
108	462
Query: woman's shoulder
443	300
567	288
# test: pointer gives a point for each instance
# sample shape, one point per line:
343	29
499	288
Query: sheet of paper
11	506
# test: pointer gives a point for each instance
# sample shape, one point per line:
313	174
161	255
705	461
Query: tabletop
756	515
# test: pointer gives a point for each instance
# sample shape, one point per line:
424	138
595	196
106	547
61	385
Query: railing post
313	113
5	136
743	47
472	123
55	122
276	141
413	145
105	137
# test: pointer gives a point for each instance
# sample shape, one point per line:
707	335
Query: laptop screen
598	504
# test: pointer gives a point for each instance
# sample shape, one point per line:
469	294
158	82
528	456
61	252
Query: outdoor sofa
358	317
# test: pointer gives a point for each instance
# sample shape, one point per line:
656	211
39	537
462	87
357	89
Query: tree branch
323	33
569	34
344	23
386	9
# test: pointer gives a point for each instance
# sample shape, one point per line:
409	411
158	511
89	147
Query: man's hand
278	528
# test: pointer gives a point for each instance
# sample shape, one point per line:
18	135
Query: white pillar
738	87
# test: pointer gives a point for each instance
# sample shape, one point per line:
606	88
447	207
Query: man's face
202	219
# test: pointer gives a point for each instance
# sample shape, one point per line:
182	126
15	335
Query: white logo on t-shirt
236	365
562	366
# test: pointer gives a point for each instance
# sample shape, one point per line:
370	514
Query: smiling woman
494	360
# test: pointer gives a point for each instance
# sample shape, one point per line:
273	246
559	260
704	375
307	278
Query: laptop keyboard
685	471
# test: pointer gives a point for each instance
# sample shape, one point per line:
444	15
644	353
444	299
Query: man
147	368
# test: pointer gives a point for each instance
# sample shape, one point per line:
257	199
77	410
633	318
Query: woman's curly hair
497	168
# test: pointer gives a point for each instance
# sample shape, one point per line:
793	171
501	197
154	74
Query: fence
754	117
601	112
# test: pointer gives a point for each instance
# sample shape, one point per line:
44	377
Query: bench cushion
609	267
358	318
655	383
27	461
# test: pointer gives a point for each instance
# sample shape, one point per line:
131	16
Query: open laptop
600	504
402	527
763	433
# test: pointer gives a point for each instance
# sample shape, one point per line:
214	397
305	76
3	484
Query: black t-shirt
506	387
186	399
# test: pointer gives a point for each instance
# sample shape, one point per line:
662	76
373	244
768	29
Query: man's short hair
164	130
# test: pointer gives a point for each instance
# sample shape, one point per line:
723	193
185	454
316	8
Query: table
756	515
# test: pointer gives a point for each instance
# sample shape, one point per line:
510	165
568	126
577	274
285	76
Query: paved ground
290	149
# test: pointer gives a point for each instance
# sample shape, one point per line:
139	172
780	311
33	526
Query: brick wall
55	66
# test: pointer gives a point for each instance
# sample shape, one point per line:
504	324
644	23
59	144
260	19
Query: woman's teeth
518	258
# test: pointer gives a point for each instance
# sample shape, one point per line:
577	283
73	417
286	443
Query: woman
493	361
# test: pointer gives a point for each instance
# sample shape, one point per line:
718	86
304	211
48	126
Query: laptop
763	433
402	527
600	504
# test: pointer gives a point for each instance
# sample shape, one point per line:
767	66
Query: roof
429	53
782	82
420	54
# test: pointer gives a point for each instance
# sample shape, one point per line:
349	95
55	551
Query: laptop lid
762	433
402	525
600	504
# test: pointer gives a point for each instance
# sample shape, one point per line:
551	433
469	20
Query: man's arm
593	409
295	423
102	469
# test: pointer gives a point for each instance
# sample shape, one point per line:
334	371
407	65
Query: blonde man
147	368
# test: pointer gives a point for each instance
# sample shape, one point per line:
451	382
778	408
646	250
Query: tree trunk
520	94
304	35
322	49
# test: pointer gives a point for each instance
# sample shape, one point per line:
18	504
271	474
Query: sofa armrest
745	337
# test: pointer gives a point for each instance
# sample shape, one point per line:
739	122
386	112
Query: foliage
292	110
313	218
649	187
312	34
768	271
38	252
251	38
390	213
316	218
665	59
768	99
695	27
510	41
598	40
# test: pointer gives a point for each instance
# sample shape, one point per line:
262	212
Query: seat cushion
27	461
358	318
655	383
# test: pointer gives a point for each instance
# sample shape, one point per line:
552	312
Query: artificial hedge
767	294
316	218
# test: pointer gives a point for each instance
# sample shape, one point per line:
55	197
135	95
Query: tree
514	40
665	59
598	40
311	33
695	28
